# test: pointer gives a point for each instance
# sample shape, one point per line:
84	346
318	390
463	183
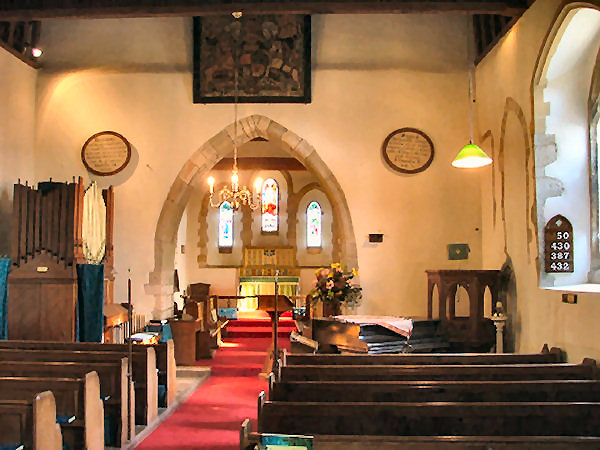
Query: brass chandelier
235	195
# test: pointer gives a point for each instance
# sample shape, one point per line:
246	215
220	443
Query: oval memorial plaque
408	150
106	153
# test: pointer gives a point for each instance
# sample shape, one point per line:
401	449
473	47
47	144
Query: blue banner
4	269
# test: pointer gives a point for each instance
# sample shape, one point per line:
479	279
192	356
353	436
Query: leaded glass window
225	225
270	206
313	225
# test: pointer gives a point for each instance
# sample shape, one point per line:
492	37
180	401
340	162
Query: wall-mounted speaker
375	237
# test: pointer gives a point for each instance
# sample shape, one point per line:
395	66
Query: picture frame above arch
271	53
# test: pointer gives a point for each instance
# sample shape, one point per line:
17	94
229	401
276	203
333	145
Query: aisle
212	415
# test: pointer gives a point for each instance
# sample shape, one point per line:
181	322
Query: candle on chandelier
258	185
211	184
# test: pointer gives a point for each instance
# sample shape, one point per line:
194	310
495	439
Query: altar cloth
398	325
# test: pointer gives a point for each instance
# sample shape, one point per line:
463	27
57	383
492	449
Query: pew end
171	373
247	440
152	386
261	403
94	413
46	432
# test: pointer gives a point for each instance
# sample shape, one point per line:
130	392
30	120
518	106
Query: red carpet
211	417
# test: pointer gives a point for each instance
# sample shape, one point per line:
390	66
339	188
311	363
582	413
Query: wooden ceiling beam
77	9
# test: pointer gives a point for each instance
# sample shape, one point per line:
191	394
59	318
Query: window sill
585	287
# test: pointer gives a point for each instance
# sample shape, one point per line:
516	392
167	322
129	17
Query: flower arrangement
333	286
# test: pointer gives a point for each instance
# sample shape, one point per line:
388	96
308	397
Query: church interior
263	194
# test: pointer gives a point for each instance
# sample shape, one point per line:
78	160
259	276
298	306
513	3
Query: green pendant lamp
471	156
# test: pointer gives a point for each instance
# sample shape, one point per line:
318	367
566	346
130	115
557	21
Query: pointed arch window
270	206
225	225
314	215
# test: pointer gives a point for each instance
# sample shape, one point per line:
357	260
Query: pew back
437	391
553	356
439	372
144	371
165	356
426	419
112	376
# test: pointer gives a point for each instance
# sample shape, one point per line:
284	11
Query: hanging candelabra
235	195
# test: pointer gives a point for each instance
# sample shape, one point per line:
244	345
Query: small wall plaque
106	153
408	150
558	245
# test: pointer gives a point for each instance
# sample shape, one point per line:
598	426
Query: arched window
225	225
270	206
566	151
313	225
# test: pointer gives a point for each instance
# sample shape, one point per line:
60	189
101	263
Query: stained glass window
313	225
270	205
225	225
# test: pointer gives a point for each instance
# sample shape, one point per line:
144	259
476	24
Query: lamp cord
235	102
471	101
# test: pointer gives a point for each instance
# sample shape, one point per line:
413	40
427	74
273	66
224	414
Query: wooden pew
426	419
31	422
249	439
145	376
77	398
112	376
165	356
436	391
563	371
552	356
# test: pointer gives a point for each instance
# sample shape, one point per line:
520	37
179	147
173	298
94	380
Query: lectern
274	305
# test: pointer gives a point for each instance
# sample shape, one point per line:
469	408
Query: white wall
537	316
372	75
17	131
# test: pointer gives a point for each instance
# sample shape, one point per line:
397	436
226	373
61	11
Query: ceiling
21	20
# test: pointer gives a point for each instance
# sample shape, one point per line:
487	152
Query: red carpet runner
212	415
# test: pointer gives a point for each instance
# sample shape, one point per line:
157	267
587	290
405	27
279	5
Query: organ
46	247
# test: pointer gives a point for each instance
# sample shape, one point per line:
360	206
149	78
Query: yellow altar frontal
251	286
257	275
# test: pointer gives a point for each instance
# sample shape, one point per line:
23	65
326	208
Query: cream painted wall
396	71
537	316
17	130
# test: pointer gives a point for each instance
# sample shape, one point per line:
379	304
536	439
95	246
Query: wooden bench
436	391
249	439
77	402
31	422
113	383
426	419
552	356
145	377
165	357
563	371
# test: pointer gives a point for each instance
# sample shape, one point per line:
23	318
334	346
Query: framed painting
271	54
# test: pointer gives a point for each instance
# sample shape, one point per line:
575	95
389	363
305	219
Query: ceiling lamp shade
471	156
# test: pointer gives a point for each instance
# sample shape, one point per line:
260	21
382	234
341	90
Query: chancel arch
192	179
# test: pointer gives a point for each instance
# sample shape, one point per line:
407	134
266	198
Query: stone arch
193	175
512	107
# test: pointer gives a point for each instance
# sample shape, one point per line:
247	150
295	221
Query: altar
257	275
